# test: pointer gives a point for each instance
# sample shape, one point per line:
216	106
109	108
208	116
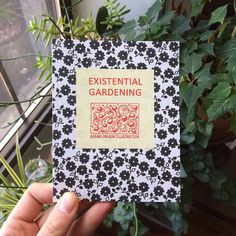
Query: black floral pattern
66	143
123	55
68	60
71	100
150	154
68	44
70	165
63	71
67	129
94	44
99	55
71	79
117	174
111	61
58	54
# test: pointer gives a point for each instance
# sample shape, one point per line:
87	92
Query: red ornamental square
114	118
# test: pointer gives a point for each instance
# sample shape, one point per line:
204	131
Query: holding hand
58	220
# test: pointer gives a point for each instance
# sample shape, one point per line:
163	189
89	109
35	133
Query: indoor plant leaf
191	95
222	90
192	63
20	163
218	15
197	6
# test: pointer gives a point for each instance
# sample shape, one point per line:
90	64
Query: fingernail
68	202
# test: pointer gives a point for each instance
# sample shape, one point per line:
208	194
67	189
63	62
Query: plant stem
22	101
55	24
136	219
68	18
13	187
73	4
23	56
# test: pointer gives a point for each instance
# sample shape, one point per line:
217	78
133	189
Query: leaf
203	76
192	63
206	48
187	116
140	37
20	162
154	10
235	6
205	127
127	31
218	15
179	24
222	90
142	20
191	95
187	136
166	18
231	63
197	6
155	27
12	173
202	140
227	49
205	36
218	108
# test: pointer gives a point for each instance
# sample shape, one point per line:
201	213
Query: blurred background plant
15	182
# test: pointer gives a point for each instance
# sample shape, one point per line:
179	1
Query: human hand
58	220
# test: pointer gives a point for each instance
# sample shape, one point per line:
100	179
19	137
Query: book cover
116	120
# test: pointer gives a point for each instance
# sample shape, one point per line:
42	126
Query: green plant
207	87
11	189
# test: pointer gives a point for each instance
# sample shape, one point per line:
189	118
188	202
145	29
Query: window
18	79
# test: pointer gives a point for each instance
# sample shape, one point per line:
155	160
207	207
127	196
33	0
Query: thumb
62	216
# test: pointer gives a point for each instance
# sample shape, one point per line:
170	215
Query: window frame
39	110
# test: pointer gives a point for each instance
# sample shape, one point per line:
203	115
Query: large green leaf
203	77
227	49
205	127
231	63
127	31
221	91
154	10
206	48
179	24
220	107
191	95
197	6
187	115
218	15
192	63
166	18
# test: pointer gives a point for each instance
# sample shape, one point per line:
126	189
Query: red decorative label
114	120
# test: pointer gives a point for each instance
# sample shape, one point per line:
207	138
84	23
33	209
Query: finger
82	207
41	220
61	217
32	201
89	222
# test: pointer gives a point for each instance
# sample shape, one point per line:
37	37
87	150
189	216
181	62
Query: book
116	120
